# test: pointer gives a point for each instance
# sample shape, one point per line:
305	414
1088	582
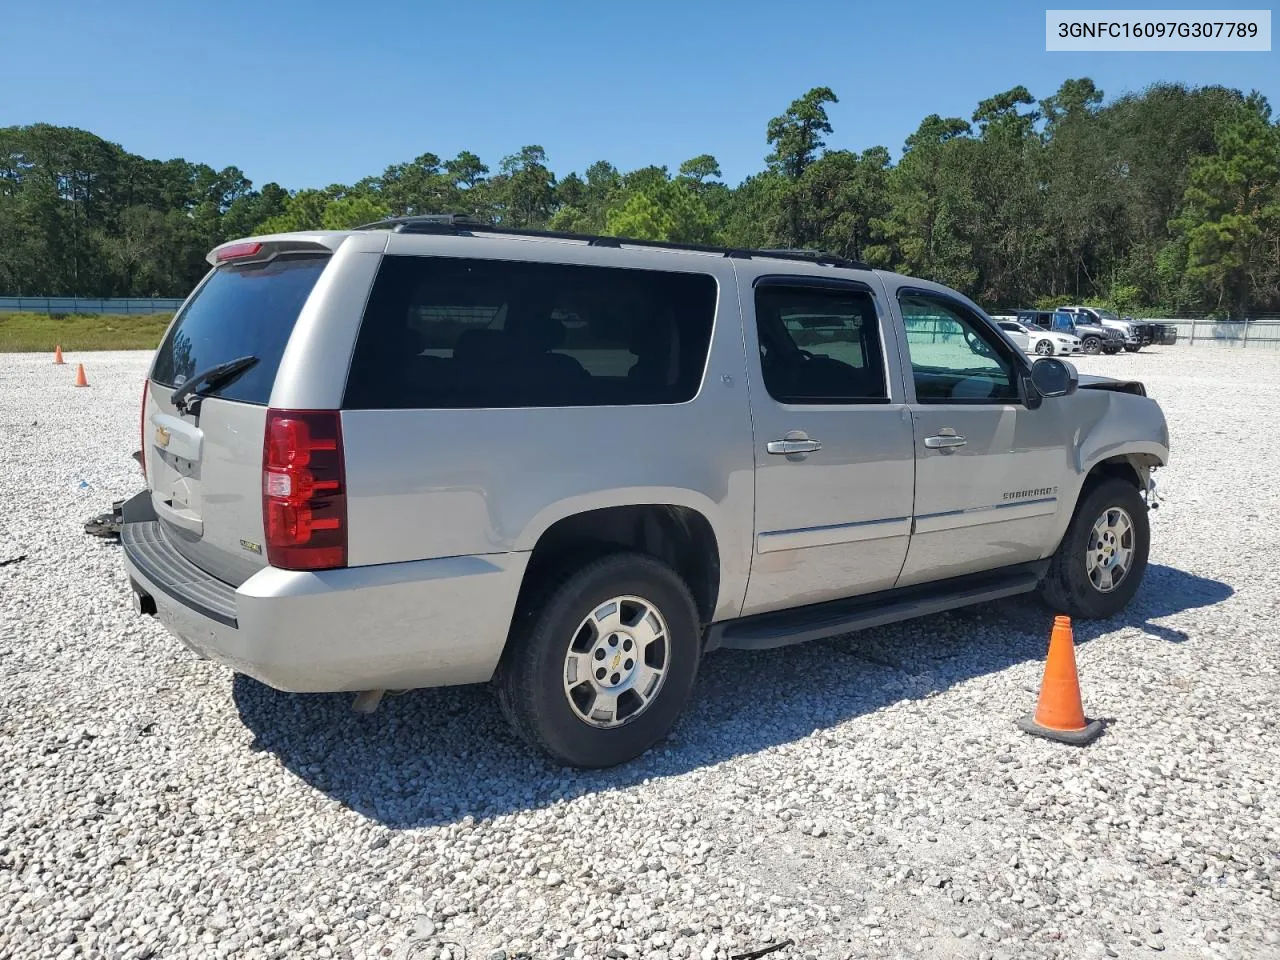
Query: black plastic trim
169	571
138	508
786	627
837	284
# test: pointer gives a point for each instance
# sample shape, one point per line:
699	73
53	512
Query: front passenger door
987	467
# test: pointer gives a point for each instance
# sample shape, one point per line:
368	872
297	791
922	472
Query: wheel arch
1133	467
1133	464
680	535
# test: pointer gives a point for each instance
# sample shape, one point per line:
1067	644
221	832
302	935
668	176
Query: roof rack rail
460	224
818	256
427	223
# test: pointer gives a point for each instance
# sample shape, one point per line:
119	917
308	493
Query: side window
955	357
819	345
451	333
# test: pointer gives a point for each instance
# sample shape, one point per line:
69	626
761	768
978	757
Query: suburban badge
1023	494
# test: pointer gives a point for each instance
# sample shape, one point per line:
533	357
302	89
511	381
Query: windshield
1107	315
246	311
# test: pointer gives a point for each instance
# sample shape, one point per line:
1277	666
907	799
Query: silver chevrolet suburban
433	451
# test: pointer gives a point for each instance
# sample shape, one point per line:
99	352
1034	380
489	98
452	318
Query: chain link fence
1262	333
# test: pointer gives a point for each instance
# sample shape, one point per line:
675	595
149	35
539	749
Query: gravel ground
865	797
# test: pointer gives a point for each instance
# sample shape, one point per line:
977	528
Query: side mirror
1054	378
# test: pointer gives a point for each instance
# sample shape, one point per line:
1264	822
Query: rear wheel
599	672
1092	344
1044	348
1100	563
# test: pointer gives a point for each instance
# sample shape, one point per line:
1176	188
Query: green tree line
1165	200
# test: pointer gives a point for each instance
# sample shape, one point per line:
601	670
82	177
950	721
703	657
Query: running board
784	627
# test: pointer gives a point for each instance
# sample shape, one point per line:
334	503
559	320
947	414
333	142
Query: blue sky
313	93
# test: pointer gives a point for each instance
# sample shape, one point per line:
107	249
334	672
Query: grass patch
41	332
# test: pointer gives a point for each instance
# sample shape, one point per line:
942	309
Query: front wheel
1132	349
1100	563
1044	348
1093	345
599	672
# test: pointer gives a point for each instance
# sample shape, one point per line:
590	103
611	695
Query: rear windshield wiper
188	396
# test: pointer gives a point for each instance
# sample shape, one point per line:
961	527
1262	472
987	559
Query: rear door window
241	311
819	345
448	332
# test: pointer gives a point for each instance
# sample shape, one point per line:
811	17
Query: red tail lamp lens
304	491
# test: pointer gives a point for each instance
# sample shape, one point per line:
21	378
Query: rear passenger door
833	448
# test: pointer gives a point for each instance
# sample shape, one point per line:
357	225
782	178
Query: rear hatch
204	462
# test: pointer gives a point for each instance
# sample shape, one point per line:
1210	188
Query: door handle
787	448
944	441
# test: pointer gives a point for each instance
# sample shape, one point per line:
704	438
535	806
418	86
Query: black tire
1067	587
1132	349
1044	348
1092	345
530	678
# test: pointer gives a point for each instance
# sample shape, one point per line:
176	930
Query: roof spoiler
266	248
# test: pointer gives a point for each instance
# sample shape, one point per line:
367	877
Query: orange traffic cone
57	354
1060	713
81	380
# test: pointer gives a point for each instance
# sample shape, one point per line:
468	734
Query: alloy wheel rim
617	662
1109	553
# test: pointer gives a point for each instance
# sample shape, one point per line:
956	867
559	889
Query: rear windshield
243	311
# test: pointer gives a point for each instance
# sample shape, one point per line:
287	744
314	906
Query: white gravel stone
868	796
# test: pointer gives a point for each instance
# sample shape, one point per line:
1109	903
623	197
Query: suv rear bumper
392	626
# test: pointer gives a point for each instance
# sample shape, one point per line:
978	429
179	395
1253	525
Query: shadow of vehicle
1165	592
430	756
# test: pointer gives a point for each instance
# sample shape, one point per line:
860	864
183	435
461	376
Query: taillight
142	427
304	490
